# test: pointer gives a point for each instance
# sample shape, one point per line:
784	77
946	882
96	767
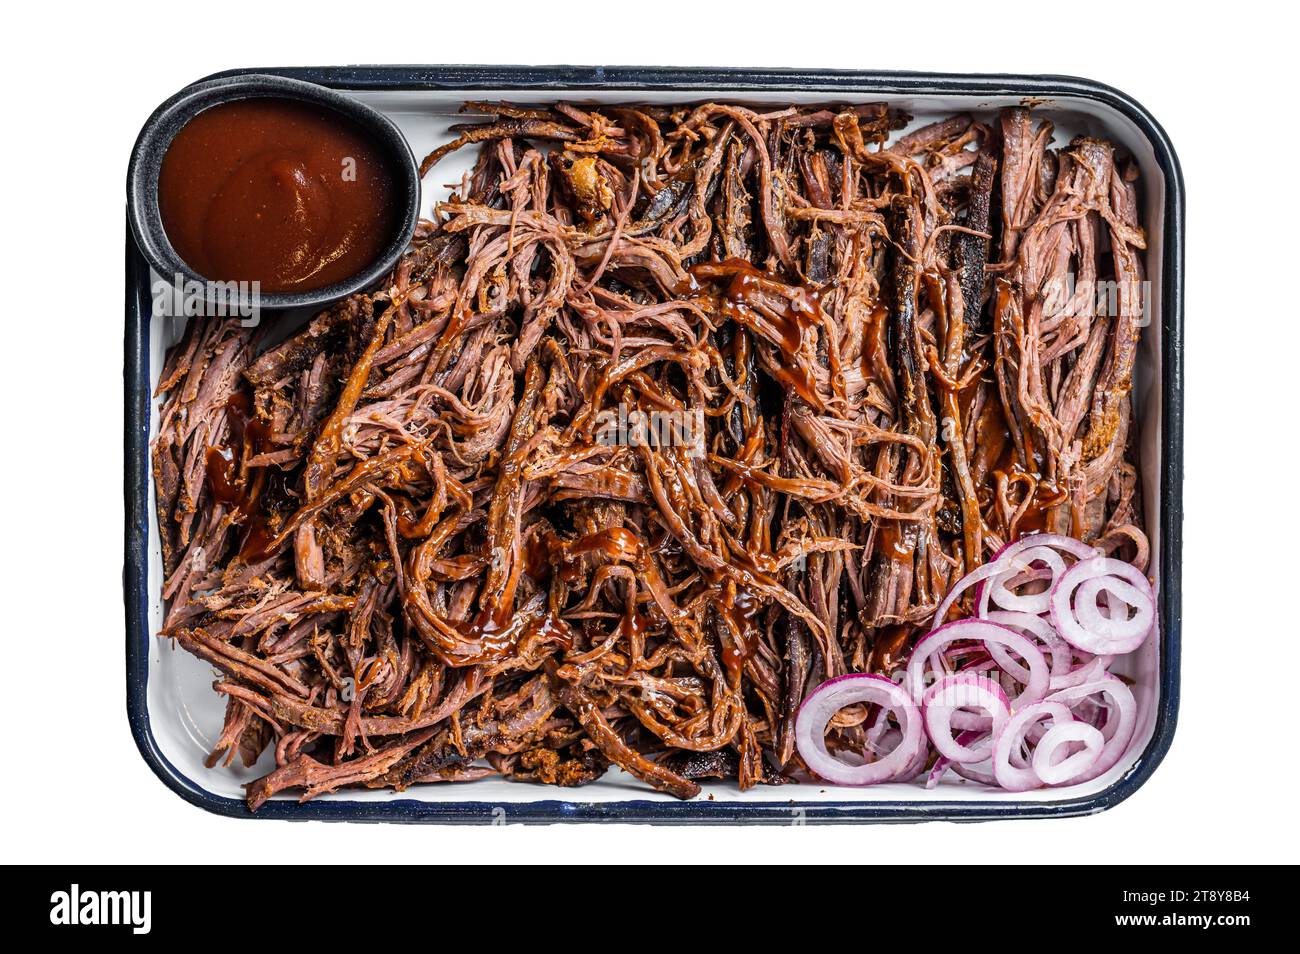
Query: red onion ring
981	772
997	593
1080	622
1037	628
972	772
1058	739
985	632
1088	671
833	695
1008	562
1012	737
1076	548
962	690
915	768
966	582
1121	720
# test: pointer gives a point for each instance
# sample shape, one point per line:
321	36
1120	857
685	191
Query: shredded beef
667	416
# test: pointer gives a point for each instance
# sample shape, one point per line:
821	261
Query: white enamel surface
186	715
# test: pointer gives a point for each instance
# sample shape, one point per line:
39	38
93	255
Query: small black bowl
168	119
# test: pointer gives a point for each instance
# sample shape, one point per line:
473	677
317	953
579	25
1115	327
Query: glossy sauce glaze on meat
668	417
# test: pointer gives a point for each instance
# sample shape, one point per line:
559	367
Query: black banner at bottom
136	905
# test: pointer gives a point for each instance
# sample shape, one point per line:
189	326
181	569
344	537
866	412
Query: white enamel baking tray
176	716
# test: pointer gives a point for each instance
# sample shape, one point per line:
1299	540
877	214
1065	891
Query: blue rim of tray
700	810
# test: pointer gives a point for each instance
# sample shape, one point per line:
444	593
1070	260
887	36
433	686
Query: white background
77	85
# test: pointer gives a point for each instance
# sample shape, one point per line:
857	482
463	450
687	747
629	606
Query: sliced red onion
941	764
1076	548
1037	628
1059	641
1015	559
1088	671
1007	564
1012	737
1057	741
876	732
833	695
915	768
988	633
1121	719
997	592
966	582
962	690
936	773
1080	622
885	742
981	772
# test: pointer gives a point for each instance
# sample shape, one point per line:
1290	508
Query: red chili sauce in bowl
289	194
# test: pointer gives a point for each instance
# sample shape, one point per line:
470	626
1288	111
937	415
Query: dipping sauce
286	193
